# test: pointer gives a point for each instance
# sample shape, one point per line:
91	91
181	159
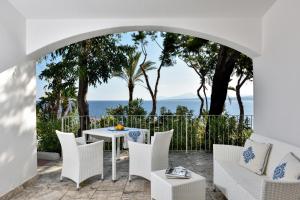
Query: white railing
191	133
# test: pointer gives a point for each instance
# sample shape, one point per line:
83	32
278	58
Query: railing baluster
186	133
220	129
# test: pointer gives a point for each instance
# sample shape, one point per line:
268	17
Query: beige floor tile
49	187
107	195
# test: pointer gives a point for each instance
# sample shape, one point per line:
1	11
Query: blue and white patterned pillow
279	171
248	154
287	169
254	156
134	135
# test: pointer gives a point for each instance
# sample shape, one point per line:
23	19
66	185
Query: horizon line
164	99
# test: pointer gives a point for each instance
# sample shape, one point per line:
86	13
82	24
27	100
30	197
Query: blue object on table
134	135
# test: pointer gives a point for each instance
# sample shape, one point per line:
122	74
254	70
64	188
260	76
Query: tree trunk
83	107
241	106
201	99
224	68
152	94
154	105
130	89
154	100
241	117
221	79
205	96
55	108
238	87
58	106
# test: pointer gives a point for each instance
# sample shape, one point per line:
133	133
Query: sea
98	108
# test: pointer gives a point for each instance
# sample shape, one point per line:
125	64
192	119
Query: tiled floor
48	186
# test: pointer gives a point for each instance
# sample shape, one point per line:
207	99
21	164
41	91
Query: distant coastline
99	107
183	99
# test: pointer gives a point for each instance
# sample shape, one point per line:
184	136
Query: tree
140	38
244	72
164	111
227	58
132	73
61	88
93	61
198	54
201	56
135	107
183	110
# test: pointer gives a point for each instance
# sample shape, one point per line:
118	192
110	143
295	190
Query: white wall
277	74
12	36
18	161
17	102
47	35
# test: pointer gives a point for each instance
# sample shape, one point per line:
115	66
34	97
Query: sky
177	80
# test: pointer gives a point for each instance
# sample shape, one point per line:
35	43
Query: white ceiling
32	9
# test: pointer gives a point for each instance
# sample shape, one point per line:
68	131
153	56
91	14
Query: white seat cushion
248	180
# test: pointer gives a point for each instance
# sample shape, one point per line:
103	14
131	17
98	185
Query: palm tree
132	73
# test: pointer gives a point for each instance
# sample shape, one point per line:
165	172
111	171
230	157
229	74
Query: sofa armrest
227	152
280	190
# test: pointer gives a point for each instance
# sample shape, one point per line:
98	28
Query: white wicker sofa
238	183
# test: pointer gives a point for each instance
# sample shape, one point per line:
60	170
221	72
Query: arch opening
121	29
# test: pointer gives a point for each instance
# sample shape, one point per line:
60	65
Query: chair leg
61	178
129	178
77	186
102	176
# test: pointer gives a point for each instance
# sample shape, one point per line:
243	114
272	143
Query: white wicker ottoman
163	188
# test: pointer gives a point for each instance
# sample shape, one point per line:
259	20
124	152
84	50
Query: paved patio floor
48	186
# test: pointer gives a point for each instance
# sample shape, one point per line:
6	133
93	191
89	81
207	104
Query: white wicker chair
80	161
144	158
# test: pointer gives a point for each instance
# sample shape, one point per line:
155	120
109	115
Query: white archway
44	36
29	39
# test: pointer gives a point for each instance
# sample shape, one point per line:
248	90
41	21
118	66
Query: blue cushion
134	135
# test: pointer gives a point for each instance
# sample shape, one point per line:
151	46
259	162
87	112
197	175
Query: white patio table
115	137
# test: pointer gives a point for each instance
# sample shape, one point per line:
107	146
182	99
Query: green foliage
89	62
131	72
136	108
46	136
60	88
166	58
140	37
183	110
95	58
165	111
227	128
133	108
223	129
118	110
244	66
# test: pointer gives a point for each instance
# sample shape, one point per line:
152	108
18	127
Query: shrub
46	136
134	108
